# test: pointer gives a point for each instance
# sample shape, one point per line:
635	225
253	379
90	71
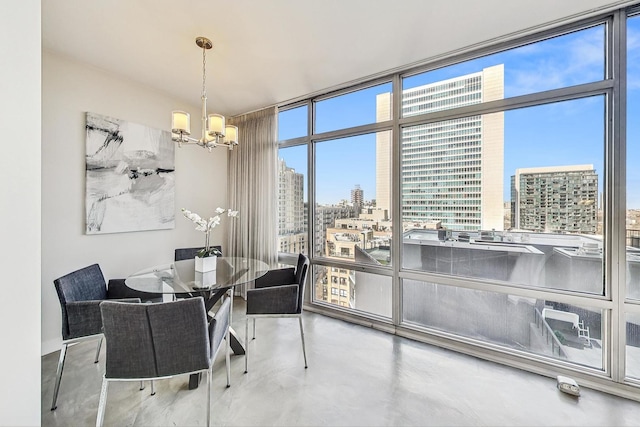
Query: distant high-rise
292	233
357	198
452	171
555	199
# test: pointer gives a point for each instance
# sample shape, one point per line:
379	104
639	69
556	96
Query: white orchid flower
213	222
191	216
207	225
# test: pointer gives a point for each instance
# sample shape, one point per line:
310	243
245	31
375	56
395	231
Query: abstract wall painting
130	179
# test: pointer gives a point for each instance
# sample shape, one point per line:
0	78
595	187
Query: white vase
206	279
206	264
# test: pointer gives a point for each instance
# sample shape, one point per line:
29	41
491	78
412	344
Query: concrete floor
356	377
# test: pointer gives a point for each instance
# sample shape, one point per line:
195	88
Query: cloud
559	62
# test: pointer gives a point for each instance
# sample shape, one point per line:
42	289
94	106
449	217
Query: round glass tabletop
181	276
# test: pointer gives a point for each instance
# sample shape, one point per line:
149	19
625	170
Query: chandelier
214	130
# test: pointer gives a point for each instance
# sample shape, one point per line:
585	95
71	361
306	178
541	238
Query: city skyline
361	149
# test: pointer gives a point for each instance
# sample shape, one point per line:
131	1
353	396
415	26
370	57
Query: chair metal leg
153	389
254	328
141	385
98	350
246	346
56	388
304	351
230	293
227	352
209	381
103	402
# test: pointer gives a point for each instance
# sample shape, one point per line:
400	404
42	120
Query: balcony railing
552	341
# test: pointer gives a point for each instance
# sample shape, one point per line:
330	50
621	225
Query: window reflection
633	346
355	290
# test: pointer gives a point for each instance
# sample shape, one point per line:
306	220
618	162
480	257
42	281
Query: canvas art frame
130	176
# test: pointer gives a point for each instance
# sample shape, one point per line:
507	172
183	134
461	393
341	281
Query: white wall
20	213
69	90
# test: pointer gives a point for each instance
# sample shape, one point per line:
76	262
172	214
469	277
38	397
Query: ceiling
270	51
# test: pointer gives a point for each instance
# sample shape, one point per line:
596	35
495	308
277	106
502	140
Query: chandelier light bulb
180	122
216	124
231	135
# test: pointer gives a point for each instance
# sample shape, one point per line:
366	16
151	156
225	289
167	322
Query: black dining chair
279	293
158	341
80	293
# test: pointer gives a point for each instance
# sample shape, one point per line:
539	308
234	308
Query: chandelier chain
204	72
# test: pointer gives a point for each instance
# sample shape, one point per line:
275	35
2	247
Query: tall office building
557	199
452	171
383	154
292	234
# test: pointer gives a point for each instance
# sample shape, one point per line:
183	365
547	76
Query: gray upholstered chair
278	293
158	341
80	293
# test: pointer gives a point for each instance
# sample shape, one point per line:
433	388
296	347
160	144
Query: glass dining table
179	278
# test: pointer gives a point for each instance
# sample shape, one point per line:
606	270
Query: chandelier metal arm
182	138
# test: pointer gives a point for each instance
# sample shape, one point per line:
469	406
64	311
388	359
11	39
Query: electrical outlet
568	385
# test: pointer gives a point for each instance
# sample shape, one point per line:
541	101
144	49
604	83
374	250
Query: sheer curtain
253	188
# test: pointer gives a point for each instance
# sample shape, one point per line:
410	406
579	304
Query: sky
566	133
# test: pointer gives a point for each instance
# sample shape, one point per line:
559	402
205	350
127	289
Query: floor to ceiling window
477	200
